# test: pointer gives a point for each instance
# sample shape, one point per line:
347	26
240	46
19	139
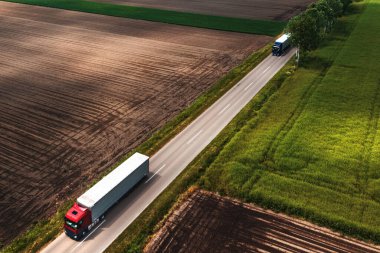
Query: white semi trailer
91	207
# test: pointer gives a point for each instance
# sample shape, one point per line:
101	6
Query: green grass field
264	27
314	149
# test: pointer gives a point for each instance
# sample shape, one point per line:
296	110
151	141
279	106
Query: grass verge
264	27
46	230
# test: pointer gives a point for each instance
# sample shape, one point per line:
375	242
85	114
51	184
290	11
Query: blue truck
281	45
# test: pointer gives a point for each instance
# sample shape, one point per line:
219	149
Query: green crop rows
314	149
265	27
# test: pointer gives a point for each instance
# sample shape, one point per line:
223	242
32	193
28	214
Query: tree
309	28
336	6
332	9
328	13
304	31
346	3
320	17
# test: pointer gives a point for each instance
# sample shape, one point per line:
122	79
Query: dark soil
206	222
78	91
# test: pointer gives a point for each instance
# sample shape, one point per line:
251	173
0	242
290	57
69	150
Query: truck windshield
72	224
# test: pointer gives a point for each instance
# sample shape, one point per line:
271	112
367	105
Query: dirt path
206	222
251	9
77	91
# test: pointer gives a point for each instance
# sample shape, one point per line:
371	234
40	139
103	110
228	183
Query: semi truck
281	45
91	207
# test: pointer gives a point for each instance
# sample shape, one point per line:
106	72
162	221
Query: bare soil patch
207	222
250	9
77	91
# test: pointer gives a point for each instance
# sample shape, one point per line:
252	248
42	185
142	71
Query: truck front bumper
72	235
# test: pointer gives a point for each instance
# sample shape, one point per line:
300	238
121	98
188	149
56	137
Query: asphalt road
173	158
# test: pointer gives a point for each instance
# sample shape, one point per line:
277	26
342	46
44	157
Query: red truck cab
77	221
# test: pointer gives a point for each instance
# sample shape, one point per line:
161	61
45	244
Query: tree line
310	27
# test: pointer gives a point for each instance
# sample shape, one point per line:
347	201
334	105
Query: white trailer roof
283	38
100	189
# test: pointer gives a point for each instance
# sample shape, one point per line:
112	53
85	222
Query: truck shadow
122	207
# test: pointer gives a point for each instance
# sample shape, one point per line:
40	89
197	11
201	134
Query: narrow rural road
173	158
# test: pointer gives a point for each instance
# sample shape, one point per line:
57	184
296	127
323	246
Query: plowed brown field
206	222
251	9
77	91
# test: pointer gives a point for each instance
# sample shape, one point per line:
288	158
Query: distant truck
91	207
281	45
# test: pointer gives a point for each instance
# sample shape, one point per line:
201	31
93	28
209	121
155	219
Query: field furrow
226	225
78	91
